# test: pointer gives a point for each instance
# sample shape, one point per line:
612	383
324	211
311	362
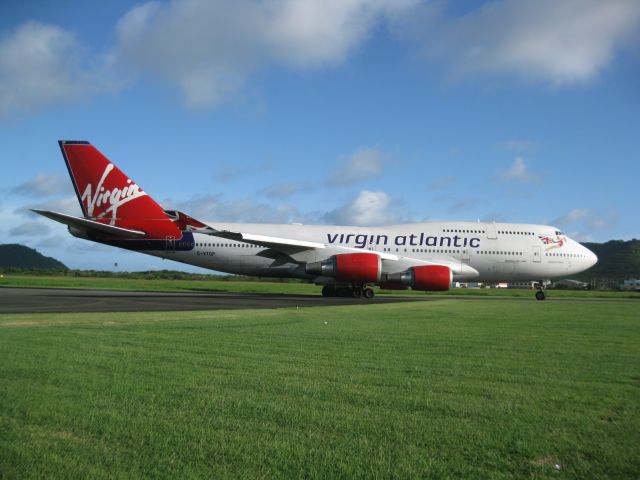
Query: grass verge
266	287
436	389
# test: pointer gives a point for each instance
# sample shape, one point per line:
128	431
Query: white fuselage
484	252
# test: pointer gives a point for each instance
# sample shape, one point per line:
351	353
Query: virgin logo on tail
112	199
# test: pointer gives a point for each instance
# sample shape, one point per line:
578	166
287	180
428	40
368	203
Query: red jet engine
429	278
349	267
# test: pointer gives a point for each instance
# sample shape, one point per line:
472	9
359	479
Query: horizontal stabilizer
89	225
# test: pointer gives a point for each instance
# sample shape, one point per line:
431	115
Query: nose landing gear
540	295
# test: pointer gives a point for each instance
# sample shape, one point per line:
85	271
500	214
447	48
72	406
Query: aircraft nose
592	257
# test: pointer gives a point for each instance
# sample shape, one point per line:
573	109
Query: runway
37	300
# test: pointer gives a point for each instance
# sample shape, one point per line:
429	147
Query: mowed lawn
438	389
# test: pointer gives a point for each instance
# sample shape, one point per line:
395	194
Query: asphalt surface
34	300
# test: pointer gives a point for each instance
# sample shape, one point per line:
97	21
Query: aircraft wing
289	245
267	241
91	225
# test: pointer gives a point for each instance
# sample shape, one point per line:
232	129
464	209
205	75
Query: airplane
344	260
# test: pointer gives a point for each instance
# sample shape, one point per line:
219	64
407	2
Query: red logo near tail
551	242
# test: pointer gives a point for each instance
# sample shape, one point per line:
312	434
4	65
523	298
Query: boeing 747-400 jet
344	260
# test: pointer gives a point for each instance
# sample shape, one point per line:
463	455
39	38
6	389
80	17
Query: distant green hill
617	260
13	255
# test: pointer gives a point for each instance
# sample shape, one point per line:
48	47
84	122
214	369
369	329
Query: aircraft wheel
357	292
344	292
368	293
328	291
540	295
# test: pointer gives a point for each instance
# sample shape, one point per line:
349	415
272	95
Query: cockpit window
558	232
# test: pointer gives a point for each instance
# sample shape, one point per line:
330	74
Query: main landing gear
355	291
540	293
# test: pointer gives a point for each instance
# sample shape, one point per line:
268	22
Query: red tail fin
109	196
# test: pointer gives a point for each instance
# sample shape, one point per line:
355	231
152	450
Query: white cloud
572	216
364	164
367	209
518	146
285	190
207	48
44	186
588	219
68	205
232	172
518	172
42	65
29	229
493	217
581	237
214	208
557	42
442	183
462	204
54	241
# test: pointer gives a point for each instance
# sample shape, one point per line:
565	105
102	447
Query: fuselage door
537	256
491	231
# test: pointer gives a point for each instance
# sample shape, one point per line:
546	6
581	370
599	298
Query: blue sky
363	112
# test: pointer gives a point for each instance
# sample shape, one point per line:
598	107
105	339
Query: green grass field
157	285
438	389
161	285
